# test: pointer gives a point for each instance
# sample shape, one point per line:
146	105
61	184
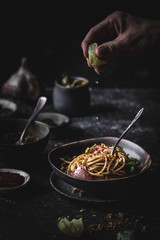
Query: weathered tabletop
33	213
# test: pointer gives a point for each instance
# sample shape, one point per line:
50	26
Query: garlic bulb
22	85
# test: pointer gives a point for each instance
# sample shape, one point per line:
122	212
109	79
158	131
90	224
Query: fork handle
127	129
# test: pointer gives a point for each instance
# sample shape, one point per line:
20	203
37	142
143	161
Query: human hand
121	34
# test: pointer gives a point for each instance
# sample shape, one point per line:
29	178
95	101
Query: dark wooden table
33	213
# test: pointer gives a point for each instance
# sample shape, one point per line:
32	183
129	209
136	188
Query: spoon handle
127	129
41	102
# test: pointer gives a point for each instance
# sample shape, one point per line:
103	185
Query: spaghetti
98	162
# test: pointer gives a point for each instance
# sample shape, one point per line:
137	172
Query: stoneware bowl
56	122
13	188
7	108
71	100
13	126
118	186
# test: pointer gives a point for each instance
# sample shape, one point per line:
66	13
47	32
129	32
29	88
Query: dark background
50	36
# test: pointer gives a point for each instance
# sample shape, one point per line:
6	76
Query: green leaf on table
128	234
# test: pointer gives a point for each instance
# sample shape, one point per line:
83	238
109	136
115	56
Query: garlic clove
22	85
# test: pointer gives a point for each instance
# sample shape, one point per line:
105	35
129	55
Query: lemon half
93	59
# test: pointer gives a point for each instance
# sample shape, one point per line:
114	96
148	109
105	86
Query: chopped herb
94	146
132	163
132	168
120	147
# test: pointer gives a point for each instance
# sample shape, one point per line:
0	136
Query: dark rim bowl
111	186
9	105
37	129
59	119
13	189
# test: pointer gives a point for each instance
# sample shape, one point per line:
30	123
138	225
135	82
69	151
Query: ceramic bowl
7	108
71	100
123	185
11	126
56	122
11	189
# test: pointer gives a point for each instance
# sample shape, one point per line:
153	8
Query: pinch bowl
16	125
7	108
110	187
25	175
56	122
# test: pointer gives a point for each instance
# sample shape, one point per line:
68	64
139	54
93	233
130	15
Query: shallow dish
20	173
7	108
11	126
112	186
56	122
68	191
52	119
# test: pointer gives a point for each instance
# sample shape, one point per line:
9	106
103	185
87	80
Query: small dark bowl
60	121
8	190
71	100
117	186
37	129
7	108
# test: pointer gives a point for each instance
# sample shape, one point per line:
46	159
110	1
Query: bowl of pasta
88	165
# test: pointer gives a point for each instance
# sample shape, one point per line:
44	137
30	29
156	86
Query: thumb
109	49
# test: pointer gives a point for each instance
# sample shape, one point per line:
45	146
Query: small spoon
130	125
40	104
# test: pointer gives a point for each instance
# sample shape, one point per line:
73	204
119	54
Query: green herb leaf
120	147
132	168
126	235
94	146
132	163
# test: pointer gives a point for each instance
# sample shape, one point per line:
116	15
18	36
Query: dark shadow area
50	38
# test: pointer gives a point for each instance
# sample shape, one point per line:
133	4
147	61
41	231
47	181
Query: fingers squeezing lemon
93	59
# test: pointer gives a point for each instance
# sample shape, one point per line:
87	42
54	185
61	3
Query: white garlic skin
22	85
